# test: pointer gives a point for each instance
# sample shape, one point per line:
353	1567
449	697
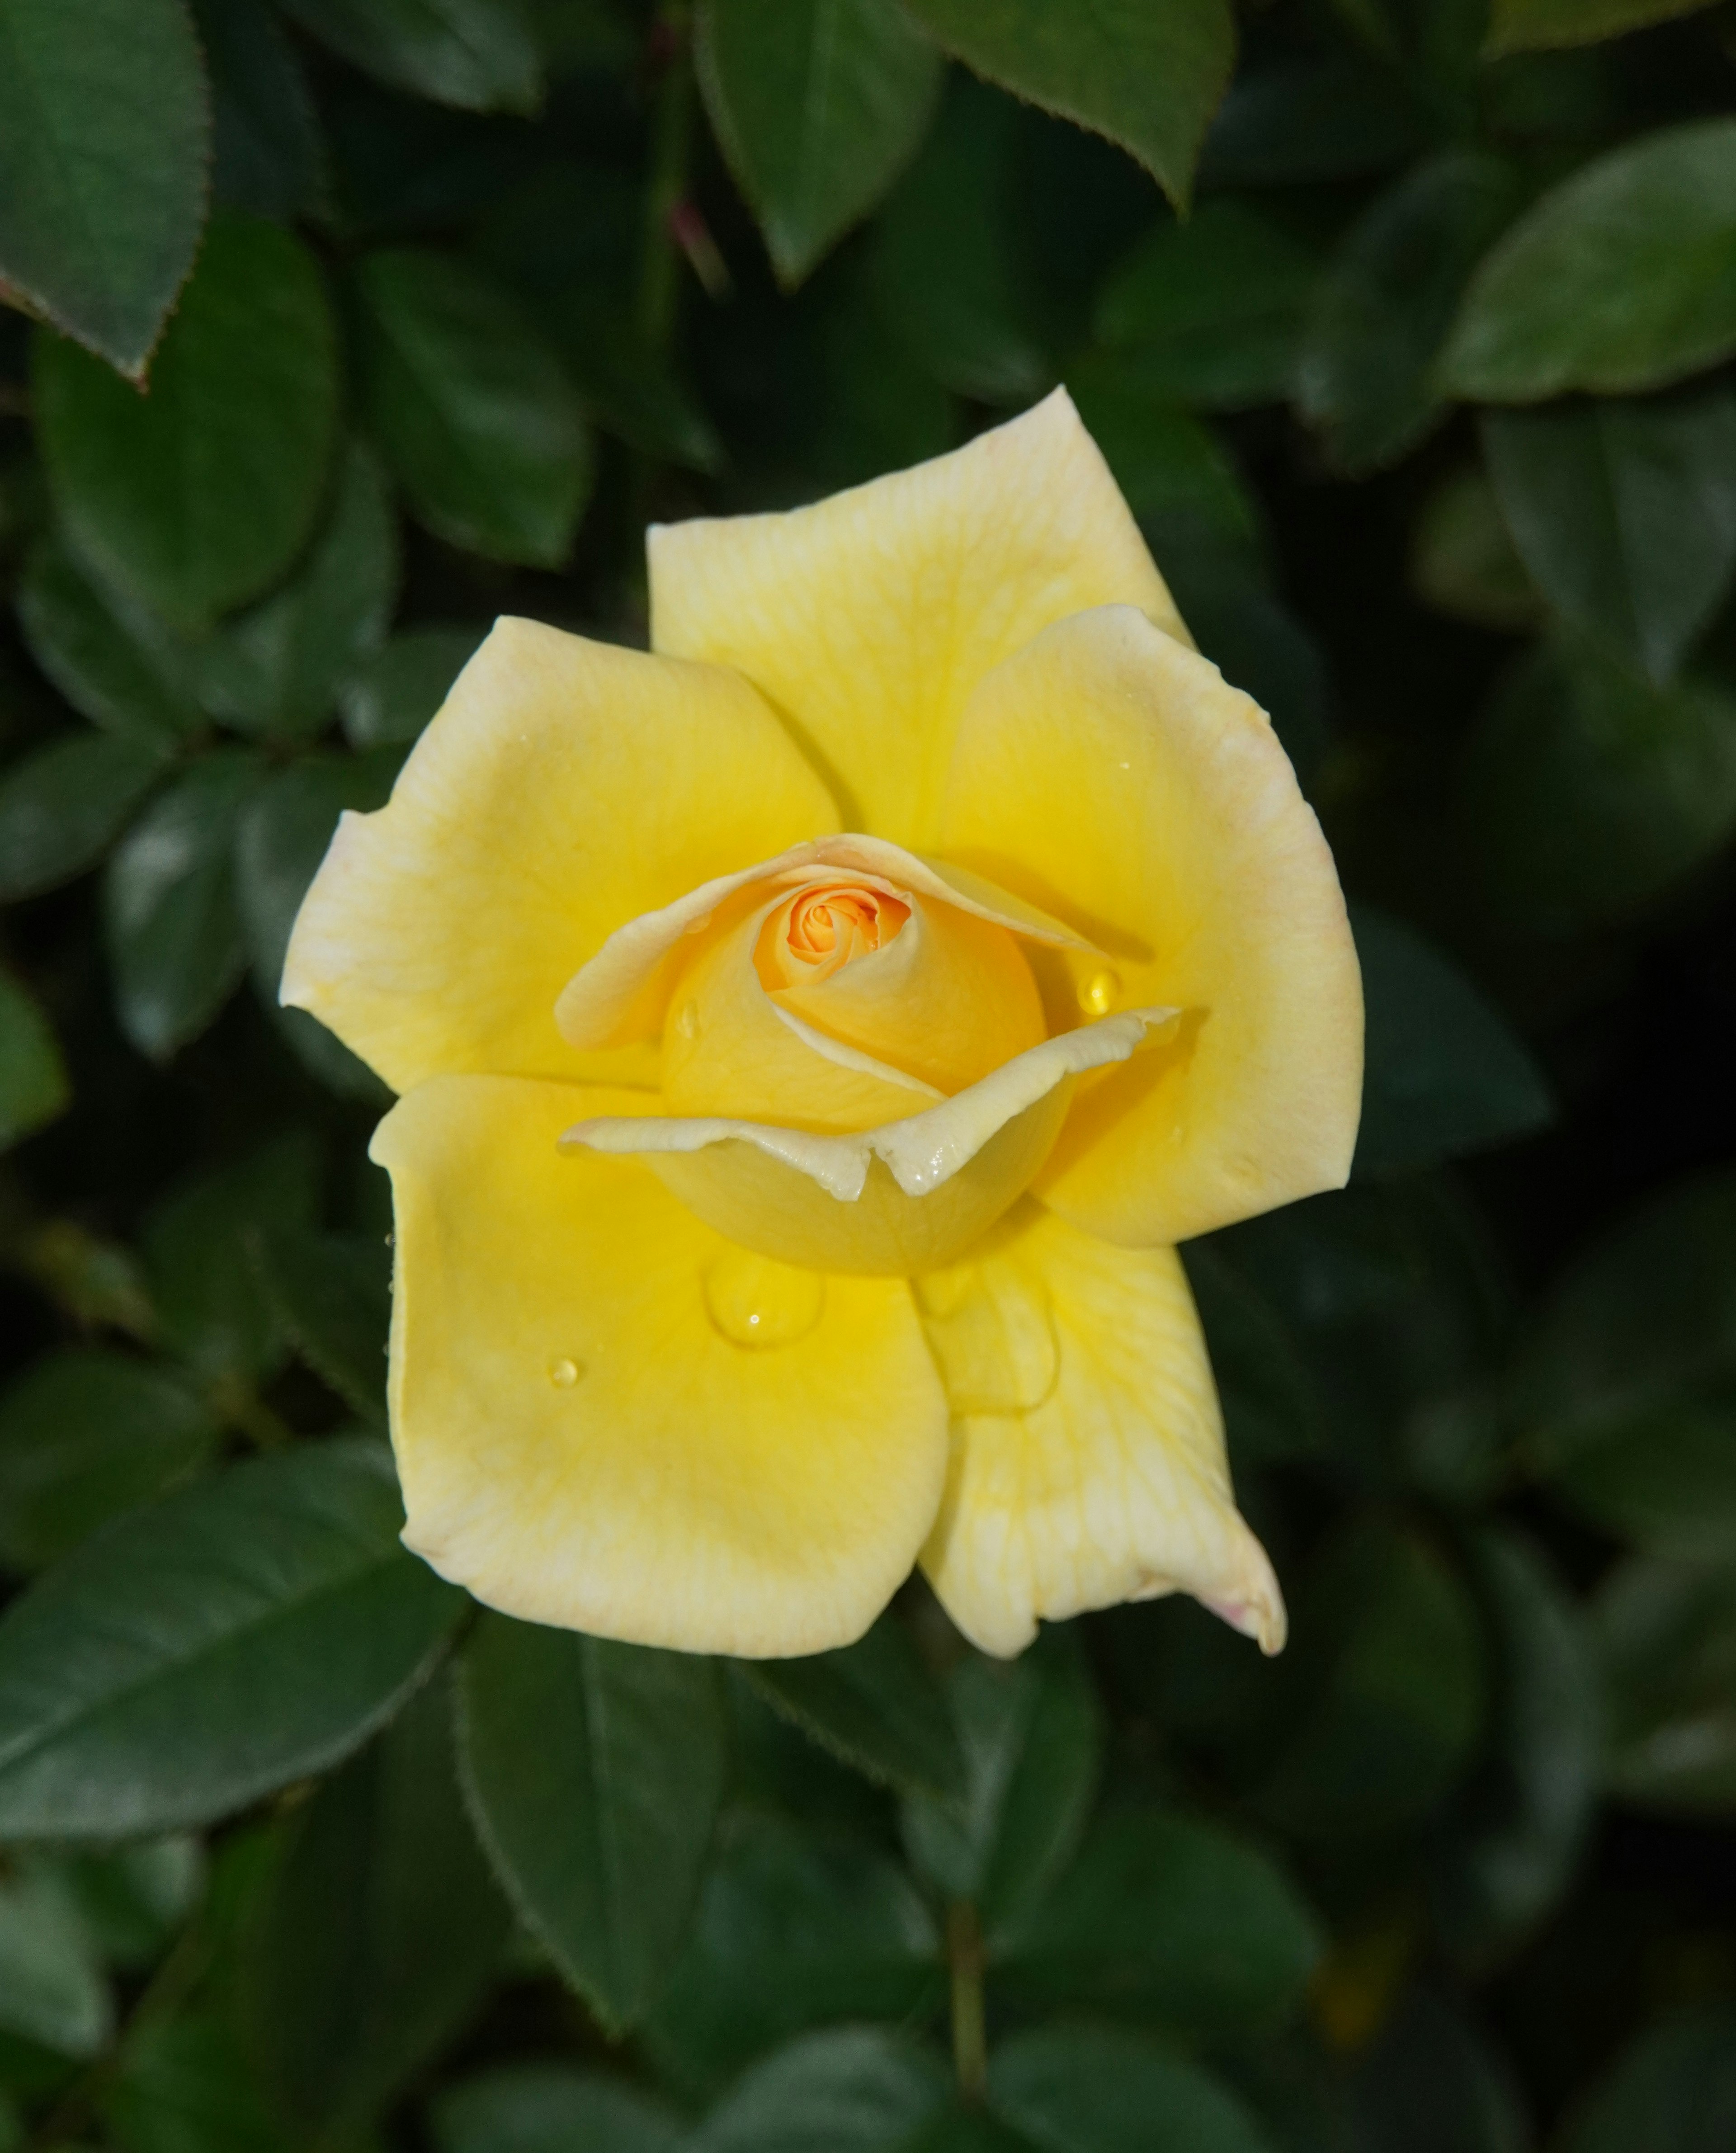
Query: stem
964	1957
239	1406
671	148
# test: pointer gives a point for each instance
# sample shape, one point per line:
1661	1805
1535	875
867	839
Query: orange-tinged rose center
823	928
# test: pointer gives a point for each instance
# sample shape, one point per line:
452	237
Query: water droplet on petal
564	1374
1097	993
687	1020
758	1304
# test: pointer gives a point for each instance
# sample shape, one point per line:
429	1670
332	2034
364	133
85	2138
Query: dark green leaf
1591	791
52	1988
1089	2090
946	272
85	1435
1271	1406
212	1310
1667	1480
332	1294
388	700
61	808
1625	514
473	410
1335	118
246	1633
794	1930
1172	1919
33	1086
477	53
1365	373
132	1899
1521	26
111	657
1622	277
1442	1074
1512	1851
198	496
1673	2090
1213	308
1148	78
1666	1637
276	670
1430	2085
174	936
380	1930
1176	476
1383	1694
183	2086
267	148
595	1771
1463	562
860	2089
818	105
103	138
1032	1737
874	1704
551	2108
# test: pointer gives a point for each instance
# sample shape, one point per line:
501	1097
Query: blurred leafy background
1406	326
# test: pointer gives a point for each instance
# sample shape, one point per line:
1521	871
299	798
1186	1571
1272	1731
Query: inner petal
823	928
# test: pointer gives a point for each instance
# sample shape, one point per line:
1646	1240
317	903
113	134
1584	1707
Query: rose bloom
813	1038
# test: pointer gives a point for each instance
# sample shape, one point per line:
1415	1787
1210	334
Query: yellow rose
814	1038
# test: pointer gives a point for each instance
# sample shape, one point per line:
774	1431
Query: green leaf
84	1434
1090	2089
1148	77
1272	1405
183	2086
1463	562
1213	308
275	670
133	1900
479	54
1667	1480
860	2089
1431	2081
794	1929
1512	1851
1032	1735
1591	791
818	105
332	1294
267	153
1643	1322
198	496
1671	2090
1622	277
391	696
472	408
211	1308
52	1988
380	1932
946	274
1525	26
1625	514
593	1770
104	136
874	1704
1383	1689
174	937
1177	477
1172	1919
114	662
1443	1074
551	2108
1366	375
1298	121
246	1633
33	1087
61	808
1665	1633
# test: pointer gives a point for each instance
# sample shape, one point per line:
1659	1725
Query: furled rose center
822	930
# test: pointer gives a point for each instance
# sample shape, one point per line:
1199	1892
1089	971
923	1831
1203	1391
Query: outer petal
1111	776
608	1418
565	787
1088	1449
868	617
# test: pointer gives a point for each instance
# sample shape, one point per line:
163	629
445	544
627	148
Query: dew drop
687	1020
564	1374
1097	995
760	1305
